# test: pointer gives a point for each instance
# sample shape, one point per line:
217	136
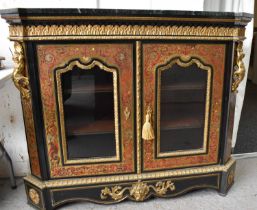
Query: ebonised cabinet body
126	104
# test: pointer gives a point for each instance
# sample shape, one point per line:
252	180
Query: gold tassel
147	131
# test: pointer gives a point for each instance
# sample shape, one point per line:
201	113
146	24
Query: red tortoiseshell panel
210	54
31	137
118	55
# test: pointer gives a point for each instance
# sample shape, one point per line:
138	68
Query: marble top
33	15
120	12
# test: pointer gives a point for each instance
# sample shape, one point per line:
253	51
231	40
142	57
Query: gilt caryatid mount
20	81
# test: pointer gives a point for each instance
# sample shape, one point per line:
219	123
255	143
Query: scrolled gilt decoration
124	30
34	196
20	81
139	191
115	192
239	68
231	177
163	187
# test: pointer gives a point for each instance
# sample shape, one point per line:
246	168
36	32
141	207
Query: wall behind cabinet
12	128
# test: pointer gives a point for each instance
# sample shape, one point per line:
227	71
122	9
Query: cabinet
122	104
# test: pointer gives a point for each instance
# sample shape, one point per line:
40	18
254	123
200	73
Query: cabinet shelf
84	89
182	116
190	122
183	86
81	117
87	128
183	93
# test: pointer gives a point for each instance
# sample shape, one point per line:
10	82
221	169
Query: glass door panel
88	104
182	101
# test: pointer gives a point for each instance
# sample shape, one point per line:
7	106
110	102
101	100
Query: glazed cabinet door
181	104
87	97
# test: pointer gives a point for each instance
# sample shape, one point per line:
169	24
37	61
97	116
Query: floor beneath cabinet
242	196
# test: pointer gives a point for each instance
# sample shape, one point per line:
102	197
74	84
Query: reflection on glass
88	104
182	108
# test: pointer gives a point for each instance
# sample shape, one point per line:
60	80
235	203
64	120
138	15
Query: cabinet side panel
228	145
228	107
36	107
31	137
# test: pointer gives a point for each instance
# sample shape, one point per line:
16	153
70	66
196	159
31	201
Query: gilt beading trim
138	102
133	31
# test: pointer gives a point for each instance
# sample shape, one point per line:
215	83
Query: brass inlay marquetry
184	61
54	32
239	68
86	63
20	81
126	113
139	191
131	177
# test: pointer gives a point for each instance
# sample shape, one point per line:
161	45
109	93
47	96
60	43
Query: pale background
11	121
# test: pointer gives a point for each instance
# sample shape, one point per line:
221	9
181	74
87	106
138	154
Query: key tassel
147	131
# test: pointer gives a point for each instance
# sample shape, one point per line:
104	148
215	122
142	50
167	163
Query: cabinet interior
88	104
